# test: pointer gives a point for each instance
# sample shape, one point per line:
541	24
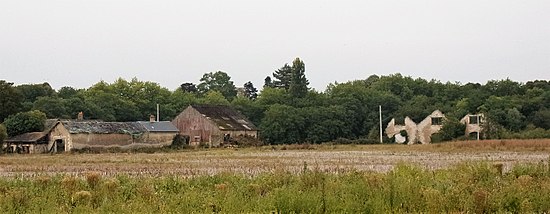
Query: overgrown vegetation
465	188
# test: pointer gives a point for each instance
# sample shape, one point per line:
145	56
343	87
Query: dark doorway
59	145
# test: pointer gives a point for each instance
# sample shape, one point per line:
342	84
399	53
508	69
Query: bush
180	142
452	129
23	122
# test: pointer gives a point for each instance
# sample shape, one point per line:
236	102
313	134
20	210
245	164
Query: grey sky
79	42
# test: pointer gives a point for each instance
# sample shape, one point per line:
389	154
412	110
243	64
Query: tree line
288	111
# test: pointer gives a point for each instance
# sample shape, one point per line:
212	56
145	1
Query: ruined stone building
429	126
473	125
416	133
409	126
213	124
422	132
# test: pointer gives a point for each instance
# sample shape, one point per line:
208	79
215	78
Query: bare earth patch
253	161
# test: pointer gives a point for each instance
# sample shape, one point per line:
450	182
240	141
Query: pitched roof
161	126
98	127
30	137
33	137
225	117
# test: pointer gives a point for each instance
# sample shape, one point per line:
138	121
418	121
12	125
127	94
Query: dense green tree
67	92
189	87
417	108
254	111
283	124
298	82
31	92
218	81
283	77
23	122
53	107
214	98
542	118
10	100
505	87
515	121
325	124
271	96
268	83
249	91
3	134
179	100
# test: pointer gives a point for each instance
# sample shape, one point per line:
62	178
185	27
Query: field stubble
253	161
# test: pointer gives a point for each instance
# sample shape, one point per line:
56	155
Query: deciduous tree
218	81
23	122
10	100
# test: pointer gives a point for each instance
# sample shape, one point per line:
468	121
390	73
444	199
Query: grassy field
489	176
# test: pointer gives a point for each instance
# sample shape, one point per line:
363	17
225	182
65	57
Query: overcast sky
80	42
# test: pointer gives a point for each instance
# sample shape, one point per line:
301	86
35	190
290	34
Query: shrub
452	129
23	122
180	142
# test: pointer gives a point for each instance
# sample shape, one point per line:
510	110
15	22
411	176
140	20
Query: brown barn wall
192	123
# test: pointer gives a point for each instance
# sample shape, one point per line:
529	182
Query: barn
213	124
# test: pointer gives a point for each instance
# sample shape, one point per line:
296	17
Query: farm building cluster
210	125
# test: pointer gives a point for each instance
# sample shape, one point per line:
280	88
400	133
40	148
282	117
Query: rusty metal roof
225	117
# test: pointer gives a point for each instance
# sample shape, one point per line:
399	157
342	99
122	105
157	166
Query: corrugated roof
98	127
161	126
225	117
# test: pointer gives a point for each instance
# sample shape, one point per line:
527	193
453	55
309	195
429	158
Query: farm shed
97	134
52	139
213	124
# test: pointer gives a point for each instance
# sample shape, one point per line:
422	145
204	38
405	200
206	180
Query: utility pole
380	111
478	122
158	112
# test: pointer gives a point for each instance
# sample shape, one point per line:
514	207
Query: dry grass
252	161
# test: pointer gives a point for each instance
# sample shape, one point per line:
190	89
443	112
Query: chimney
152	118
80	116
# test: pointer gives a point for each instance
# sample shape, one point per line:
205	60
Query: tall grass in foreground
468	187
